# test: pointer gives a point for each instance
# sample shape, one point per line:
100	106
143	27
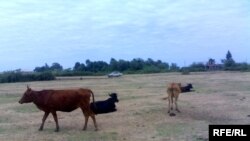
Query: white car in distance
114	74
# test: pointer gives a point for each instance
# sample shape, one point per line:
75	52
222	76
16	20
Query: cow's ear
28	87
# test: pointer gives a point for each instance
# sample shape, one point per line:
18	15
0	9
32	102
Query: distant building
213	67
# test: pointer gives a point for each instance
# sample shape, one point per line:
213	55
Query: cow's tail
93	98
169	91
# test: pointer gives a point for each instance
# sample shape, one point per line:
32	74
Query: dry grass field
219	98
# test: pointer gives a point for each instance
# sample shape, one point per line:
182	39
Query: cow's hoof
57	130
172	114
96	129
40	129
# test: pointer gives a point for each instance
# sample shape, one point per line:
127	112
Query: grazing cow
187	88
173	90
51	101
106	106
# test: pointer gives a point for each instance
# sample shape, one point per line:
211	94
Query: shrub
9	77
185	72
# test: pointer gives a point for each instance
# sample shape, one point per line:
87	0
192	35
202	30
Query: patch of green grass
153	109
179	131
134	85
197	138
6	129
2	130
4	99
205	90
94	136
4	119
130	97
173	130
134	97
26	108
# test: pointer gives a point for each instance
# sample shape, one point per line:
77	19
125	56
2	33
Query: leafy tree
197	67
229	55
56	67
79	67
42	68
211	61
150	62
136	64
122	65
113	64
229	62
174	67
96	66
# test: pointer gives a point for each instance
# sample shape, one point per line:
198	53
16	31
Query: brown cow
51	101
173	90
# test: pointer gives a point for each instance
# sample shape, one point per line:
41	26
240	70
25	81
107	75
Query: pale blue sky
35	32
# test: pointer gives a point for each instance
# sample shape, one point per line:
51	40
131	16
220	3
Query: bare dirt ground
219	98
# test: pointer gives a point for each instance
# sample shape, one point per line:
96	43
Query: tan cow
173	91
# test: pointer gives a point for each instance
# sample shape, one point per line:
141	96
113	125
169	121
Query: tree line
137	65
19	76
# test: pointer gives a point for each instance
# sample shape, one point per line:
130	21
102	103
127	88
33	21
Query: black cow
106	106
187	88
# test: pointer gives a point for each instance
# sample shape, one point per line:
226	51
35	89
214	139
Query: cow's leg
88	112
86	122
169	103
43	120
56	120
172	102
94	120
86	116
176	105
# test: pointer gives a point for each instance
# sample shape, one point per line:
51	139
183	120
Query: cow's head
27	96
190	86
114	97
